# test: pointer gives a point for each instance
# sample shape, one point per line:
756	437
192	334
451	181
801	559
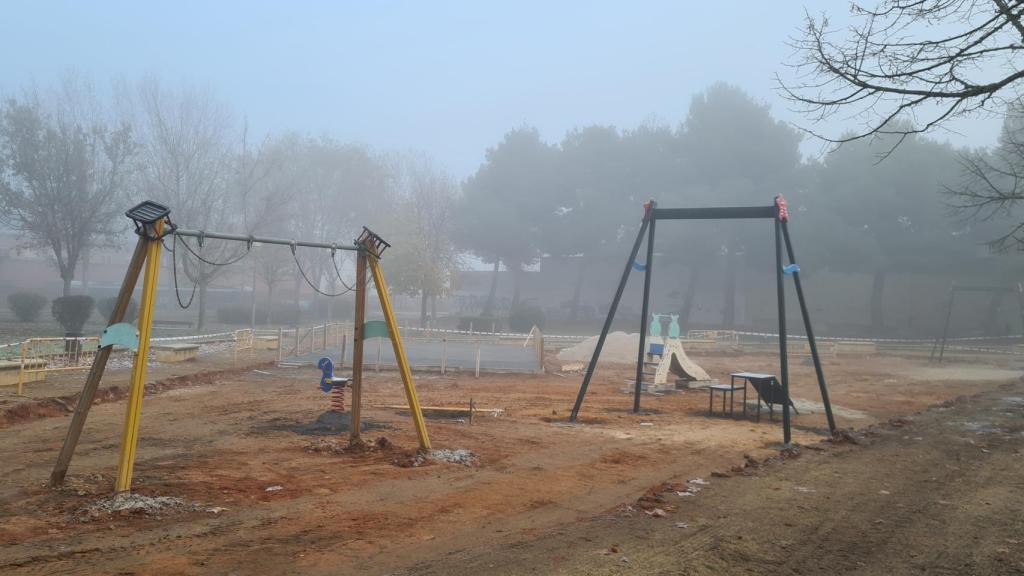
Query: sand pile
619	348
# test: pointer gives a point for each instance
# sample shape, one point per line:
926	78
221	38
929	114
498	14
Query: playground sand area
224	482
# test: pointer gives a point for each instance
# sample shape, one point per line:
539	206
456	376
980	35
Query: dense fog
892	201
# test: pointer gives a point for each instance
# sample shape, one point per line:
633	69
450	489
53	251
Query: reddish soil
543	496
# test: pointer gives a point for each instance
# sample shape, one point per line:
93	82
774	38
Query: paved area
510	357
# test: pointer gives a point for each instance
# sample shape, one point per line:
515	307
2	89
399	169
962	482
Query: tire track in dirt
937	494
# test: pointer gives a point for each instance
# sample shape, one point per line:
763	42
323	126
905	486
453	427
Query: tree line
867	207
71	161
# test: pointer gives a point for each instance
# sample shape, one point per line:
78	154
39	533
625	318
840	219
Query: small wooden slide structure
673	360
665	355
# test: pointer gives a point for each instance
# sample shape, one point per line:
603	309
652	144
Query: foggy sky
449	78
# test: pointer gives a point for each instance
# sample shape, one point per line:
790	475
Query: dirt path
939	493
538	491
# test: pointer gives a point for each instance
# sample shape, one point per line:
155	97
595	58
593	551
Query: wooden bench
175	352
10	369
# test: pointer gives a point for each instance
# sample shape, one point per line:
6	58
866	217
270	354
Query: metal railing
42	355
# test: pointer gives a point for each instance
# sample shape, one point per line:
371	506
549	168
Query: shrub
524	317
72	312
106	307
26	305
479	323
240	315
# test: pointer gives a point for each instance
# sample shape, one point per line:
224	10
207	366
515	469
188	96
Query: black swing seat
769	391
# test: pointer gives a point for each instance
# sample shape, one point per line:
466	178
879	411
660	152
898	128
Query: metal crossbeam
264	240
720	213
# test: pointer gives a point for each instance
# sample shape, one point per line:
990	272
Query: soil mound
329	424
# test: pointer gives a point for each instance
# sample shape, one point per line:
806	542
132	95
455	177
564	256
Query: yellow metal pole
134	409
21	368
396	343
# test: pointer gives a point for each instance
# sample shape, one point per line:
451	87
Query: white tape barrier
516	335
740	332
885	340
570	337
197	337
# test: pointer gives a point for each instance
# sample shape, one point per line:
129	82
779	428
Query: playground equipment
666	356
334	384
42	355
778	212
152	223
940	342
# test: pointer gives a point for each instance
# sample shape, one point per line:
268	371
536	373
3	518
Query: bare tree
911	66
268	200
337	188
63	171
928	61
424	255
992	183
185	162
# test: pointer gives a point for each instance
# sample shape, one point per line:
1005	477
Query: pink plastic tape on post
783	208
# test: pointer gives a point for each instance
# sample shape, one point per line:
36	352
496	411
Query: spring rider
333	384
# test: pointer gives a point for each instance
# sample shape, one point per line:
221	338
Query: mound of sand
619	348
327	424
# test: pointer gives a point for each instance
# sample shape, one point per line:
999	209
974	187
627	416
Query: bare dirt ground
931	492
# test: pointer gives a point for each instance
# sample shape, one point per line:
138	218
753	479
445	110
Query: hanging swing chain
250	240
174	268
174	263
200	241
298	265
338	272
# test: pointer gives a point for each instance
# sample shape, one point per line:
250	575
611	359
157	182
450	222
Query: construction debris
458	456
130	503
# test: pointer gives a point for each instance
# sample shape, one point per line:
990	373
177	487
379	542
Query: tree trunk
691	291
517	275
252	312
201	320
67	285
729	308
330	301
298	299
433	309
877	311
577	291
270	302
992	316
85	272
423	308
492	295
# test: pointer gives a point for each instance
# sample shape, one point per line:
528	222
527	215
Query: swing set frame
939	346
152	224
778	212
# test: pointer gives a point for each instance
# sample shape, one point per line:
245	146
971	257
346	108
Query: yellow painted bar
396	343
134	409
21	369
